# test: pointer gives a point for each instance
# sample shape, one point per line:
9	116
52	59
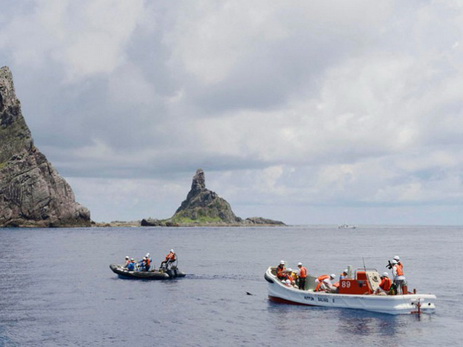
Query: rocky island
203	207
32	193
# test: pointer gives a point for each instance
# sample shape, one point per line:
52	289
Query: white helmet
282	262
289	269
397	258
126	257
385	274
394	262
332	275
147	255
172	250
131	258
299	264
345	271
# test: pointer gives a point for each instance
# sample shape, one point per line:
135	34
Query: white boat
355	292
346	226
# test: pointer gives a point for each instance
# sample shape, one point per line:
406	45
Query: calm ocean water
57	288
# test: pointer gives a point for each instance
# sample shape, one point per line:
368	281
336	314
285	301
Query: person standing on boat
385	284
303	273
399	275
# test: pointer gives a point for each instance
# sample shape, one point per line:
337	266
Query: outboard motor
172	272
174	269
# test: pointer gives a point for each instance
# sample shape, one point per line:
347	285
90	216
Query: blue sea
57	288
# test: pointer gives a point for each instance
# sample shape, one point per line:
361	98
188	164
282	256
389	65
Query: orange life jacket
148	261
400	269
281	272
303	272
386	284
170	256
320	281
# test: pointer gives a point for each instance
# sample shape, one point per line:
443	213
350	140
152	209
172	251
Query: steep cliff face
32	193
204	206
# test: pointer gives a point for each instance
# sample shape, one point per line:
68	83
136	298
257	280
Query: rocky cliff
32	193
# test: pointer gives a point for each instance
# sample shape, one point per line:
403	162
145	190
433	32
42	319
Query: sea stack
204	206
32	193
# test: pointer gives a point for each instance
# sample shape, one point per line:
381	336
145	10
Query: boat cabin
364	281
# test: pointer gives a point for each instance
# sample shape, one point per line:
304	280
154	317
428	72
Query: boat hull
390	304
146	275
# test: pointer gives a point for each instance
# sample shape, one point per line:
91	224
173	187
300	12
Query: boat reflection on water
367	323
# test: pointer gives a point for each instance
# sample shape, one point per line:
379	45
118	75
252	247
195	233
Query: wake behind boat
354	292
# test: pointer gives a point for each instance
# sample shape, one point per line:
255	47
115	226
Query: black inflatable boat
164	274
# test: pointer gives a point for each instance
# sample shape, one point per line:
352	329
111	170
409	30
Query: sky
308	112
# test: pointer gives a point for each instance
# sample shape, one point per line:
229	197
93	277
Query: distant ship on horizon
346	226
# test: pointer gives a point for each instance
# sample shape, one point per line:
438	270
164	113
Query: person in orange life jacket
131	265
398	274
170	258
324	283
292	276
281	271
303	273
147	264
385	284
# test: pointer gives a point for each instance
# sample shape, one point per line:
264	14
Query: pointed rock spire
204	206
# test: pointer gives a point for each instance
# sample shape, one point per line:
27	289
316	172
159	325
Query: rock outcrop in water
32	193
204	207
201	204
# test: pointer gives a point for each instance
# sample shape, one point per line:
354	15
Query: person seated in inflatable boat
147	262
127	262
141	266
131	265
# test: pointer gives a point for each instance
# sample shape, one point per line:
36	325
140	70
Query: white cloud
86	38
285	105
